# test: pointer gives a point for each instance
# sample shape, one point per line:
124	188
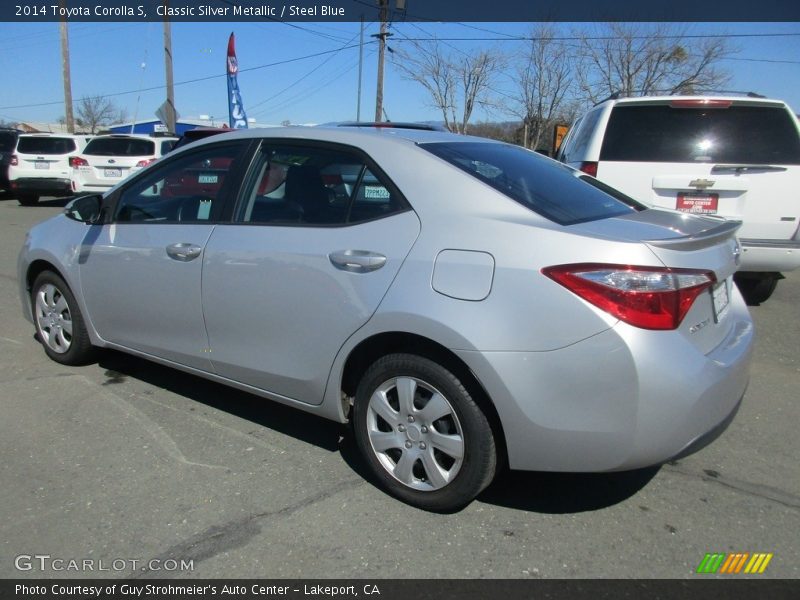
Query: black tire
421	440
52	306
756	290
27	199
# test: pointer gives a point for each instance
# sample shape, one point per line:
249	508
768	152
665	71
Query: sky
318	80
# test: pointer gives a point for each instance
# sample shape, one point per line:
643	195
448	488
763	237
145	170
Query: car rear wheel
27	199
756	290
59	324
422	434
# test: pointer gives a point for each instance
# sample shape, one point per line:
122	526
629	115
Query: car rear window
45	145
733	135
7	141
120	147
552	190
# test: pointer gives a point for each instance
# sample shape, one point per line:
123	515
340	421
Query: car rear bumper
770	255
55	186
616	401
81	187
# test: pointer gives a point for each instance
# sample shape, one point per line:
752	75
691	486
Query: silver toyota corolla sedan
465	304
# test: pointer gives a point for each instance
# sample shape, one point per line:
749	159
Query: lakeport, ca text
139	590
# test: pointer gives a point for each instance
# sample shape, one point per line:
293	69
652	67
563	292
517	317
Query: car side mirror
85	209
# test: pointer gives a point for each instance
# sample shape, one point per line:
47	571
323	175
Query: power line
288	23
525	38
197	79
309	92
319	66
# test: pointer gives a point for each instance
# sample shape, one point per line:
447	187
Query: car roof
388	125
135	135
51	134
353	136
752	99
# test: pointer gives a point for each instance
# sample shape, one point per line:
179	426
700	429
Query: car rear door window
187	189
315	185
578	143
45	145
550	189
735	135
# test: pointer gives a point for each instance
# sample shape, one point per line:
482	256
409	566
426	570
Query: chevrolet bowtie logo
701	184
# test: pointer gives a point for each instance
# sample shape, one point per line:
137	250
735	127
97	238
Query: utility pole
360	67
68	116
170	103
384	4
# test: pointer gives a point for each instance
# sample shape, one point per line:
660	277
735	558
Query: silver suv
735	157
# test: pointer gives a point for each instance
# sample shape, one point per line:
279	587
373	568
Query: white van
40	165
736	157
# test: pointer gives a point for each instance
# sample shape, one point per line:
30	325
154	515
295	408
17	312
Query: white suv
736	157
108	159
39	165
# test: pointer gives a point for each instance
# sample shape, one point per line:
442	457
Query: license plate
376	192
42	164
112	172
721	299
203	178
704	204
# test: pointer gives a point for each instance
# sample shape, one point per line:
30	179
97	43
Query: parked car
464	303
8	142
737	157
108	159
198	133
40	165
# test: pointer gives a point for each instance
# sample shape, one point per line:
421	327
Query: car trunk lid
682	241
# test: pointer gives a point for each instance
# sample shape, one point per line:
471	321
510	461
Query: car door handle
183	251
357	261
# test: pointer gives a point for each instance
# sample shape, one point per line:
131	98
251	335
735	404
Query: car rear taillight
77	161
13	160
646	297
144	163
701	103
590	168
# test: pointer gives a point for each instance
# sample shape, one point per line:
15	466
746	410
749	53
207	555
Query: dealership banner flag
236	114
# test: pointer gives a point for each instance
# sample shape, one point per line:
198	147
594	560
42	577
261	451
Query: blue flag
236	114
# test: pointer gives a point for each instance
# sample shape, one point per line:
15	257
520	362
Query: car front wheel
422	434
59	322
27	199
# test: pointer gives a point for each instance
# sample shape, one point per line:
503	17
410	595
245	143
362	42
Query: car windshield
45	145
735	135
545	187
120	147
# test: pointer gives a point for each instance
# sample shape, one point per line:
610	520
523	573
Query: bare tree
95	112
456	81
633	60
543	80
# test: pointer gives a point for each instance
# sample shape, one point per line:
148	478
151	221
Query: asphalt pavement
145	471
